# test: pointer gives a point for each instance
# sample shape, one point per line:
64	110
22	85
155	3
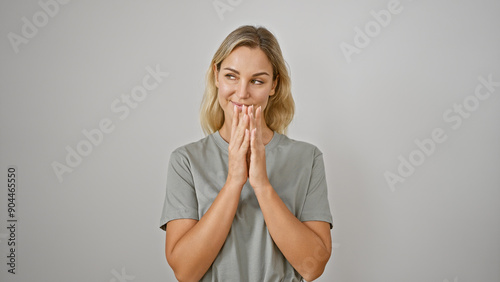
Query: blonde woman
246	203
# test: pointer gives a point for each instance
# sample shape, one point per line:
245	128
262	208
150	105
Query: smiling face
245	78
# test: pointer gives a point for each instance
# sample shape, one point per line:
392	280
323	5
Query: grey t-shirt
198	171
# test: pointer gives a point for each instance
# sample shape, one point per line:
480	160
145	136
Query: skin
245	84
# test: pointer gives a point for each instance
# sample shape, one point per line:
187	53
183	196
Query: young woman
246	203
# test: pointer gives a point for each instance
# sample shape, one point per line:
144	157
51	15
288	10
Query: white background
101	222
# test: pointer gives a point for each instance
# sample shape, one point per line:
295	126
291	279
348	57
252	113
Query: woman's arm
306	245
191	246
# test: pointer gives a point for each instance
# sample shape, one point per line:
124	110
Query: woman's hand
239	147
257	170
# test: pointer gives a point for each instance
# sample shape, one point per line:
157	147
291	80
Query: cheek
262	96
225	90
223	95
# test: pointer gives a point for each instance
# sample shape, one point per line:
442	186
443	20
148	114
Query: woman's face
245	78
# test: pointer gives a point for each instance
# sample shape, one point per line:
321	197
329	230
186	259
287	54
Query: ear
275	83
216	76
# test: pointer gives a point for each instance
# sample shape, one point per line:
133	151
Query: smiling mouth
239	105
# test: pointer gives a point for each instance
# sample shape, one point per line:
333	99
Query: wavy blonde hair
280	108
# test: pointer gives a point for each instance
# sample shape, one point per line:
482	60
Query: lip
239	105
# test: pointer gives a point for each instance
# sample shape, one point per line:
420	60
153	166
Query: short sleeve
180	197
316	206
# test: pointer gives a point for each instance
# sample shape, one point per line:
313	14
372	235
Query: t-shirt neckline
224	145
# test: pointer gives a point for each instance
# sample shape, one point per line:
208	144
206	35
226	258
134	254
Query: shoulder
289	145
193	149
194	146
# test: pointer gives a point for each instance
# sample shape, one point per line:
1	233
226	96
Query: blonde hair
280	108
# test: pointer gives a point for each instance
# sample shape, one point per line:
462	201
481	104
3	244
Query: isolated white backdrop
365	109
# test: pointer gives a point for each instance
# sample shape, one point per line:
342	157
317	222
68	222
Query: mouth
240	106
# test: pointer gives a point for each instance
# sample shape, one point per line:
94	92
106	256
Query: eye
230	76
258	82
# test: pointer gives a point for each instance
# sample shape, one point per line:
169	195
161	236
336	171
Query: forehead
246	59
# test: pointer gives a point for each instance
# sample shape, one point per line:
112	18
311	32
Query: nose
242	90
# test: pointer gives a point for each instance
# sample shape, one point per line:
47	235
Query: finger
258	122
245	116
244	110
243	121
246	141
235	121
253	141
252	119
258	115
240	131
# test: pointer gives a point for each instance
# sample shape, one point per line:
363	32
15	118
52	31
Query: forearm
301	246
193	254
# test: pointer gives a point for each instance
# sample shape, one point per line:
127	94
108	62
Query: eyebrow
255	74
